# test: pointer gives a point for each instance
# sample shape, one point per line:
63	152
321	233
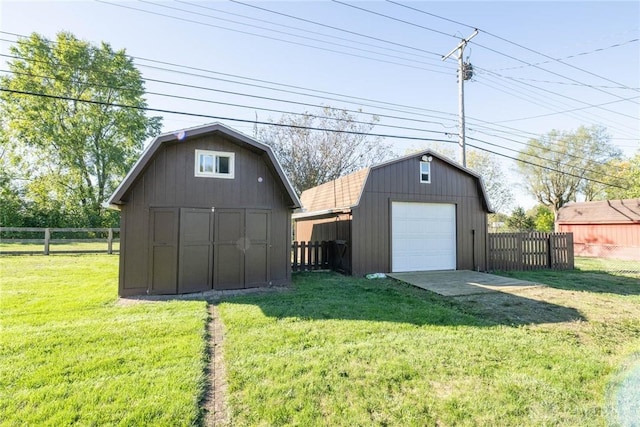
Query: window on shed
214	164
425	172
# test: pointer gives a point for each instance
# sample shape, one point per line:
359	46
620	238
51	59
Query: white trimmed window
425	172
215	164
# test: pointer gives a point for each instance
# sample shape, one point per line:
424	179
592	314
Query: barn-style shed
417	213
204	208
604	228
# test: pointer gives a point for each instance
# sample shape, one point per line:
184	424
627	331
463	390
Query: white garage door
423	236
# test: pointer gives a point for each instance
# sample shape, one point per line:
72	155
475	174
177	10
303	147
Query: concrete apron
462	282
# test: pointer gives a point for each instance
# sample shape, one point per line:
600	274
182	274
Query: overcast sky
538	65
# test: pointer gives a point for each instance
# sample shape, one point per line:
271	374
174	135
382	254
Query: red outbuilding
603	229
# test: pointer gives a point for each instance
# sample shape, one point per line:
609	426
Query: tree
542	218
66	136
572	159
628	179
520	221
313	157
488	167
495	182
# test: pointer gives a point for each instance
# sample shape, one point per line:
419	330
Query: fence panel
530	251
307	256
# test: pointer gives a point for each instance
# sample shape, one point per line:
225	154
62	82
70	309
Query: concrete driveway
462	282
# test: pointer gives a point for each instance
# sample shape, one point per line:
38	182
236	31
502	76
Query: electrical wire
394	19
291	34
191	21
140	108
435	64
334	28
209	101
209	116
509	131
513	43
601	49
566	96
545	104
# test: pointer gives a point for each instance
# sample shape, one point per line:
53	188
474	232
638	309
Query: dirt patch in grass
214	404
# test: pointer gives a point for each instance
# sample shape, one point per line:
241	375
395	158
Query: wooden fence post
47	238
110	241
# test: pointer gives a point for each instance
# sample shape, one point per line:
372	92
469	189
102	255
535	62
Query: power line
567	83
304	104
395	19
566	96
544	167
291	34
187	98
515	44
272	110
545	104
509	130
209	116
545	159
255	80
140	108
304	30
269	37
602	49
334	28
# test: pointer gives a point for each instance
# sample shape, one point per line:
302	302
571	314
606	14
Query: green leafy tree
628	179
520	221
573	158
66	135
542	218
311	157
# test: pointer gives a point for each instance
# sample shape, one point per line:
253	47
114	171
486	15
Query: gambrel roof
119	195
344	193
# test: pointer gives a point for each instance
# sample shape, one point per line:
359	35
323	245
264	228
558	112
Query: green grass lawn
71	355
332	351
344	351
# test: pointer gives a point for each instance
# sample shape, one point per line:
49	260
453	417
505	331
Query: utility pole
465	72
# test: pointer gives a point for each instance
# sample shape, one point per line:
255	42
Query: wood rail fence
531	251
47	241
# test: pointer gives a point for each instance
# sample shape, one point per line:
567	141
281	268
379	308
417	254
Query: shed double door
241	254
194	250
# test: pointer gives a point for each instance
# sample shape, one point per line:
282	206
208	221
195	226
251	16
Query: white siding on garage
423	236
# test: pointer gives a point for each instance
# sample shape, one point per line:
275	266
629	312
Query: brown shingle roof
601	212
343	192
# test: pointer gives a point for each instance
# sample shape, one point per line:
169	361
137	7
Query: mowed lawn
70	355
331	351
343	351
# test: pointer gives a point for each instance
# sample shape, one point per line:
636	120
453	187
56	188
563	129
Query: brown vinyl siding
168	182
371	225
397	181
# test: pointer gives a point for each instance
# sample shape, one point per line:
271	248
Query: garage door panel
423	236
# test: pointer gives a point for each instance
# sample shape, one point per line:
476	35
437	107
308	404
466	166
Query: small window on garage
425	172
215	164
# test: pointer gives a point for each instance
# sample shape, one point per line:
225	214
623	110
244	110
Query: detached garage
417	213
204	208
